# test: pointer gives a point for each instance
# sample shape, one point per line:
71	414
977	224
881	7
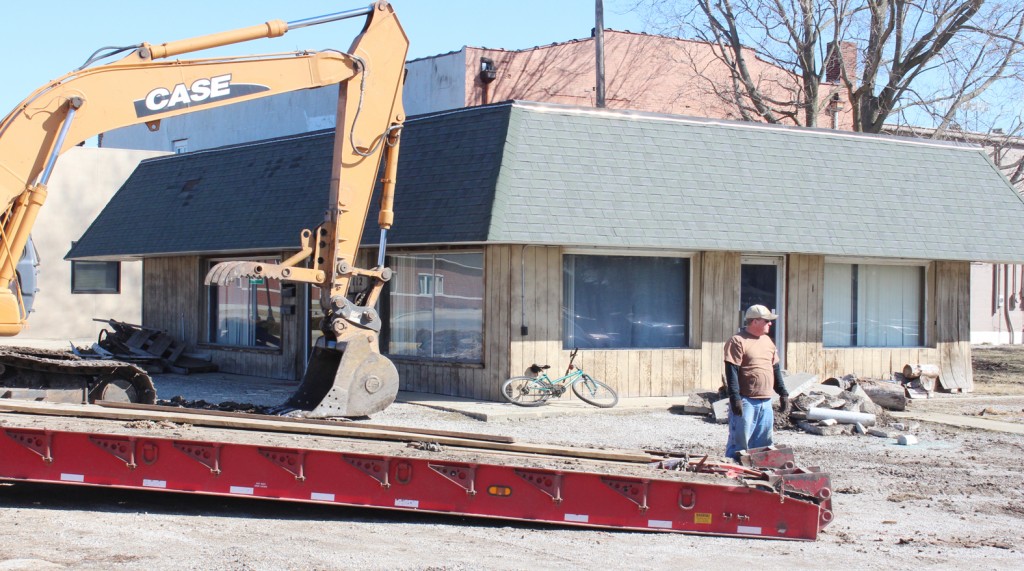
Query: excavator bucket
344	378
350	379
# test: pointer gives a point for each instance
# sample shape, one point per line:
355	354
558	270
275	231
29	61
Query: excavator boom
145	87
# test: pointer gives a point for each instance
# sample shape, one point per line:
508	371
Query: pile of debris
226	406
837	406
152	349
847	405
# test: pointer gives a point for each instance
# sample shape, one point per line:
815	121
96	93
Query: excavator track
61	376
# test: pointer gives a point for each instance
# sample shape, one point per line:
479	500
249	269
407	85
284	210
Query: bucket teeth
226	272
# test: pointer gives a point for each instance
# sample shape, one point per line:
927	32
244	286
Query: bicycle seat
538	368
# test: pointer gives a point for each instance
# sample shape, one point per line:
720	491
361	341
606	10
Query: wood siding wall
805	285
174	300
476	381
512	302
719	295
947	335
953	323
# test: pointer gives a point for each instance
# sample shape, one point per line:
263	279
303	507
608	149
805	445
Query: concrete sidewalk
962	421
488	411
223	387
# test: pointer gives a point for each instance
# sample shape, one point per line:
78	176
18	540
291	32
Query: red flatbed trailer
770	498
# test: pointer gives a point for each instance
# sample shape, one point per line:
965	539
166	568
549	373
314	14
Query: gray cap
759	312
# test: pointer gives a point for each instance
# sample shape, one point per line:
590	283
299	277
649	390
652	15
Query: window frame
116	290
689	255
208	329
436	287
926	293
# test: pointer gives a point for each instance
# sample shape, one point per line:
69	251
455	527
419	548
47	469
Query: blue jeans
753	429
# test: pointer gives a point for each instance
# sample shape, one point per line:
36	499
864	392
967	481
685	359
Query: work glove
737	406
785	406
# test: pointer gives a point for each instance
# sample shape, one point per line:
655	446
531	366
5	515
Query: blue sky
44	41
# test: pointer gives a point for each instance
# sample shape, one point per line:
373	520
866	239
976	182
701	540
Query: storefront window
625	302
436	306
873	306
246	313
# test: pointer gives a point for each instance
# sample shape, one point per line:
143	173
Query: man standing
752	371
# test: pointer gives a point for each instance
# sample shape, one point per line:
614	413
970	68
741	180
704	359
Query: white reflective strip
660	523
748	530
321	497
241	490
407	503
579	518
72	478
155	483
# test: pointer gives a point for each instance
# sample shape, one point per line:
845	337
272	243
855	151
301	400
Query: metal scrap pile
152	349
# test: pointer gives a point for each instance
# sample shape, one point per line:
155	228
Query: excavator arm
346	375
144	87
140	88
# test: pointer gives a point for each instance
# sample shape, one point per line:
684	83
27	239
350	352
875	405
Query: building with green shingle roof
524	230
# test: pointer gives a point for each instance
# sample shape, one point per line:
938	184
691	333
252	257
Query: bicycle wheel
525	391
593	391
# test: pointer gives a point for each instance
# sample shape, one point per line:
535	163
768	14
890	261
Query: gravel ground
951	501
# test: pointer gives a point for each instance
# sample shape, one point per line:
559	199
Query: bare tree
919	60
795	36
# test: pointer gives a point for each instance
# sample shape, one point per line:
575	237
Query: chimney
833	64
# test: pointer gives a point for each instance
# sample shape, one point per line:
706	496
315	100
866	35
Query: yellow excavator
346	374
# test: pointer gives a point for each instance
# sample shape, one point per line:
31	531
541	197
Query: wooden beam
240	423
223	413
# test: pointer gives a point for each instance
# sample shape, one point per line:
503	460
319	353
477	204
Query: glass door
761	282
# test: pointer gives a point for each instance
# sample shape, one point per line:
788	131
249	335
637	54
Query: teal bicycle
538	389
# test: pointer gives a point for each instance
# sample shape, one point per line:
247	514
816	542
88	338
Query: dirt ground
953	501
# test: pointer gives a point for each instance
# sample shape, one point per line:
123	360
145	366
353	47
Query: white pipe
841	416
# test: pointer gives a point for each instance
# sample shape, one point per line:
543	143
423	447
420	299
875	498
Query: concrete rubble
837	406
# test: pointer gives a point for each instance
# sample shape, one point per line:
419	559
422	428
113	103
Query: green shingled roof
519	172
576	176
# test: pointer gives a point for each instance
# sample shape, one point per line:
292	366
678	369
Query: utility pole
599	43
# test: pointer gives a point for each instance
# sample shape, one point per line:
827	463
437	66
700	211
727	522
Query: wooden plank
276	425
504	310
953	318
523	292
493	323
551	257
160	344
604	369
682	378
538	299
360	424
644	372
657	387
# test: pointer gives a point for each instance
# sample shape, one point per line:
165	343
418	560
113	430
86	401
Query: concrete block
882	433
906	439
826	389
700	403
721	410
835	430
800	383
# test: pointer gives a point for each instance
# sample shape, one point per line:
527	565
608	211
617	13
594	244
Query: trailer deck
182	451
